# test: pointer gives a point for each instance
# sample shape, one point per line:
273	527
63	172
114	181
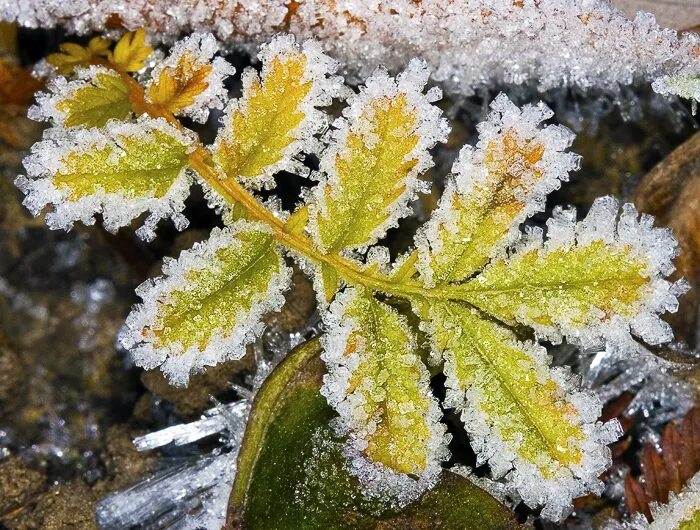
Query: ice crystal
83	172
190	81
468	43
208	305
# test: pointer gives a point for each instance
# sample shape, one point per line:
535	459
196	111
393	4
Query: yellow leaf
131	51
177	87
73	55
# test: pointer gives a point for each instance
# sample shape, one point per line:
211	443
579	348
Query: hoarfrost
174	361
198	50
118	209
468	44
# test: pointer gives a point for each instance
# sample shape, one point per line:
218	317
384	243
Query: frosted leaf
590	280
682	511
380	387
97	96
85	172
209	304
277	116
684	86
190	81
528	421
467	44
380	147
495	187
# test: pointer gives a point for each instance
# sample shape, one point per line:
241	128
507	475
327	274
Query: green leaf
292	472
378	383
495	188
522	417
276	117
209	305
121	171
327	281
372	169
92	102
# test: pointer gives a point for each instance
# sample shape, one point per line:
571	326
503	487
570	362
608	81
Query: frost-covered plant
468	44
484	293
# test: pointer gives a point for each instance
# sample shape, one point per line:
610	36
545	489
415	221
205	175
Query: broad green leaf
292	473
190	80
380	386
496	186
276	117
209	304
585	276
522	417
372	169
120	171
104	97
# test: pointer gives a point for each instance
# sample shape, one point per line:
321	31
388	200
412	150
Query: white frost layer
176	363
199	50
60	89
118	210
620	230
376	479
554	493
467	43
430	129
325	86
680	507
471	174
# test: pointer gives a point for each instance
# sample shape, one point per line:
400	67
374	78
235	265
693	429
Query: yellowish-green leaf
329	281
380	387
372	171
682	512
297	221
121	171
210	303
104	97
520	415
276	117
73	55
131	51
496	186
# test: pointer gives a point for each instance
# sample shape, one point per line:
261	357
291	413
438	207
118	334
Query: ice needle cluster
474	298
468	44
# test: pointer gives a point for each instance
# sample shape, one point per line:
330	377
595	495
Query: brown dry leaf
668	471
671	192
17	86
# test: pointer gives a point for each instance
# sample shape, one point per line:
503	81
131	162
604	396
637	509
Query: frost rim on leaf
325	87
117	210
430	129
176	363
377	479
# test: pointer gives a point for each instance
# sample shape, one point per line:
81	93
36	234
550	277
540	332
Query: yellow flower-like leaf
524	418
190	80
372	169
99	95
73	55
120	171
590	277
496	186
276	117
209	304
379	385
131	51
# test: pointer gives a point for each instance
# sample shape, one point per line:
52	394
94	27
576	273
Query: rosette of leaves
480	289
